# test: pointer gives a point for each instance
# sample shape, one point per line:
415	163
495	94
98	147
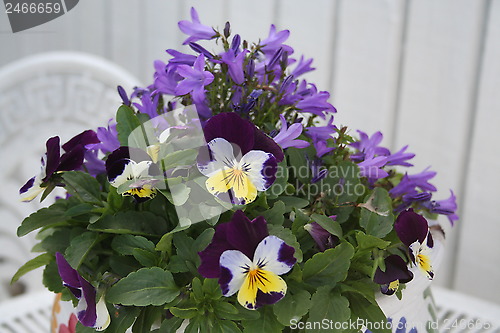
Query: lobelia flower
53	162
89	312
239	159
396	272
195	29
248	261
413	230
132	177
287	135
195	79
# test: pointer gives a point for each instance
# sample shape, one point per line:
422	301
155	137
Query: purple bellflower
195	79
195	30
235	65
288	134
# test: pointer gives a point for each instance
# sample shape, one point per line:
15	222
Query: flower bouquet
224	198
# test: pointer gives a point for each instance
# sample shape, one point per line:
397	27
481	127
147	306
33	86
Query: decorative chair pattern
45	94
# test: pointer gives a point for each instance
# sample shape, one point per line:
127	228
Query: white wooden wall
425	72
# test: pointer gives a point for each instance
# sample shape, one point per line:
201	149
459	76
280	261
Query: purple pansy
53	162
195	30
89	312
195	79
248	261
413	230
396	272
287	135
239	160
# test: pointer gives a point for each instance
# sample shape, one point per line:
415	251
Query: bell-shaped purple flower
275	41
303	67
235	65
409	183
324	240
316	103
366	143
195	29
287	135
195	79
371	167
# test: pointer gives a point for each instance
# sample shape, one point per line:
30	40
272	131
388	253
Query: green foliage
376	213
39	261
147	286
126	123
328	305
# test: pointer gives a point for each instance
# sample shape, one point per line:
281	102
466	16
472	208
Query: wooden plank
366	64
477	271
311	27
91	17
126	40
439	68
251	19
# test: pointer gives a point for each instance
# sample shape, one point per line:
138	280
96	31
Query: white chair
57	93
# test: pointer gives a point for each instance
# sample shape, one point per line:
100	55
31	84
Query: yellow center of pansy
259	279
142	192
235	179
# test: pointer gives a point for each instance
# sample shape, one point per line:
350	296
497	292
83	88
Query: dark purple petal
395	269
267	298
324	240
72	160
270	167
233	128
69	275
411	227
53	156
285	255
88	316
82	139
27	186
265	143
225	277
210	267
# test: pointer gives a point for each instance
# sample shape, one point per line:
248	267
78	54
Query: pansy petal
243	188
210	256
68	274
231	127
221	154
234	265
245	234
86	308
270	289
265	143
103	319
422	258
53	156
31	189
411	227
260	167
390	288
395	269
274	255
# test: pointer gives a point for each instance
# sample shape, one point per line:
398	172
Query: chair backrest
57	93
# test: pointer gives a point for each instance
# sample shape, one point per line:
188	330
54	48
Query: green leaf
125	244
178	158
267	322
328	267
147	286
376	213
293	202
123	265
58	241
79	247
369	312
211	289
328	224
276	214
344	185
81	209
131	222
124	318
41	260
292	306
368	242
203	239
126	123
170	325
83	186
177	194
225	326
42	218
330	306
145	257
286	235
115	200
146	319
51	278
225	310
184	313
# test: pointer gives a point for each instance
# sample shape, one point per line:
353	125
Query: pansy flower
248	261
53	162
324	240
239	159
413	230
89	312
396	272
132	176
